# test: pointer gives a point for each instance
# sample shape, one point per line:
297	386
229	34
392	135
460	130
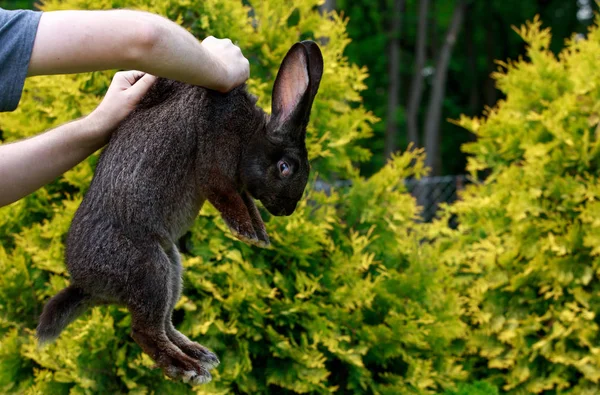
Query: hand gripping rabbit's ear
294	90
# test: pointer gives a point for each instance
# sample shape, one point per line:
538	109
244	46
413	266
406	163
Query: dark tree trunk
474	97
489	88
391	129
434	109
433	47
416	87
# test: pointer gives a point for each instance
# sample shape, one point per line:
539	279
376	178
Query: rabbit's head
274	167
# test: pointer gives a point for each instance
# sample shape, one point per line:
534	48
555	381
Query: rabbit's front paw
250	239
244	231
263	238
257	223
262	243
256	237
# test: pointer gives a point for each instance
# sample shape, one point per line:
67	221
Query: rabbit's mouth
280	207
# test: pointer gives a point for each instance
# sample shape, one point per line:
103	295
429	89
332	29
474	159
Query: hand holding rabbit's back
181	146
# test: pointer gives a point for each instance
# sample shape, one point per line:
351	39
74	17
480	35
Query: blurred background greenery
384	29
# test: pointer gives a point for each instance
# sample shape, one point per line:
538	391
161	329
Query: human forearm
78	41
29	164
178	55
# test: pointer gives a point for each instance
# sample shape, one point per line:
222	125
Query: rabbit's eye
284	168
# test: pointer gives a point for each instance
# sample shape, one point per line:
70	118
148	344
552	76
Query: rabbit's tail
60	311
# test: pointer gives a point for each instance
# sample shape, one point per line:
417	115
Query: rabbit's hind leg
197	351
149	301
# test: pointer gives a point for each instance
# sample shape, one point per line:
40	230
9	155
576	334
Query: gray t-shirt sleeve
17	33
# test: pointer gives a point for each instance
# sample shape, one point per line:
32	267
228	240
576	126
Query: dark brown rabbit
181	146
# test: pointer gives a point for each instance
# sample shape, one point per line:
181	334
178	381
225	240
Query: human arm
28	164
80	41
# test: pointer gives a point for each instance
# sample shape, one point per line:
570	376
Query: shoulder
23	18
17	34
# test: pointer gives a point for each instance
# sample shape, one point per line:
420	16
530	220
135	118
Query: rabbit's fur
181	146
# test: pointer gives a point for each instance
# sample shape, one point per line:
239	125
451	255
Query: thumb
141	86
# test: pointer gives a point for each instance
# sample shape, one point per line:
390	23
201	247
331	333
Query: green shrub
526	254
345	301
476	388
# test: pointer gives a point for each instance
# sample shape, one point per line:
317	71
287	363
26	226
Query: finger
246	69
141	86
123	80
132	76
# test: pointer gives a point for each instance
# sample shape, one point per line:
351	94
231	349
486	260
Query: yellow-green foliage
345	301
526	252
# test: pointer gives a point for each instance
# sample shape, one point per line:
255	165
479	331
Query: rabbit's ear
295	88
315	61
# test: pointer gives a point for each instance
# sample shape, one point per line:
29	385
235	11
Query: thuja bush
476	388
346	300
526	252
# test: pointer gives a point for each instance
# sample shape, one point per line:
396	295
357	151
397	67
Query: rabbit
181	146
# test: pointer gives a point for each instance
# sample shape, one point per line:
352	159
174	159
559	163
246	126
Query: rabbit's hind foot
173	362
207	358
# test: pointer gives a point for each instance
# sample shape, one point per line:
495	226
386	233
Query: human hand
229	58
124	93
